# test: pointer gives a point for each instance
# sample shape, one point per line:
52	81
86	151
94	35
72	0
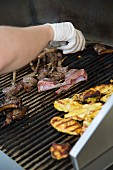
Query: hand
65	31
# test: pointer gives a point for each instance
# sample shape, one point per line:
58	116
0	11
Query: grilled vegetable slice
67	125
63	105
66	105
85	109
105	98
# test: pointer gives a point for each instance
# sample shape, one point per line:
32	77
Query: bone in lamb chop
49	65
53	75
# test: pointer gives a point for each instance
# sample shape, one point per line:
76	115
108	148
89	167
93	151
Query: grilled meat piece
49	65
29	82
47	56
55	75
60	151
13	90
47	84
10	103
18	114
15	114
42	73
67	125
101	49
72	77
88	96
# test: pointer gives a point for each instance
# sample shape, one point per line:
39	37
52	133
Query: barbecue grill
28	141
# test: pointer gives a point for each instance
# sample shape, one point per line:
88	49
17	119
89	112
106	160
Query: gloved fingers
74	47
68	46
80	41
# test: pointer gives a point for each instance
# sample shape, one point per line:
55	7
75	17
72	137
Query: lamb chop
44	58
10	103
13	89
29	82
48	65
26	84
15	114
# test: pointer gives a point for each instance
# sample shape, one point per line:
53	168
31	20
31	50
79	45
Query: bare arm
18	46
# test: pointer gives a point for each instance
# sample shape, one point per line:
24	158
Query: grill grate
28	141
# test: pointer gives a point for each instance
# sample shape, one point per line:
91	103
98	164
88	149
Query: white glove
65	31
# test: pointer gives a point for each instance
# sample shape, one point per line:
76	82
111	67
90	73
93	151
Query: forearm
18	46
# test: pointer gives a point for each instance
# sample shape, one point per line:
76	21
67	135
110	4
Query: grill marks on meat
76	110
67	125
60	151
63	104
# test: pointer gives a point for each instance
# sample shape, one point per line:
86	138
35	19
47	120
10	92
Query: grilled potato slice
67	125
